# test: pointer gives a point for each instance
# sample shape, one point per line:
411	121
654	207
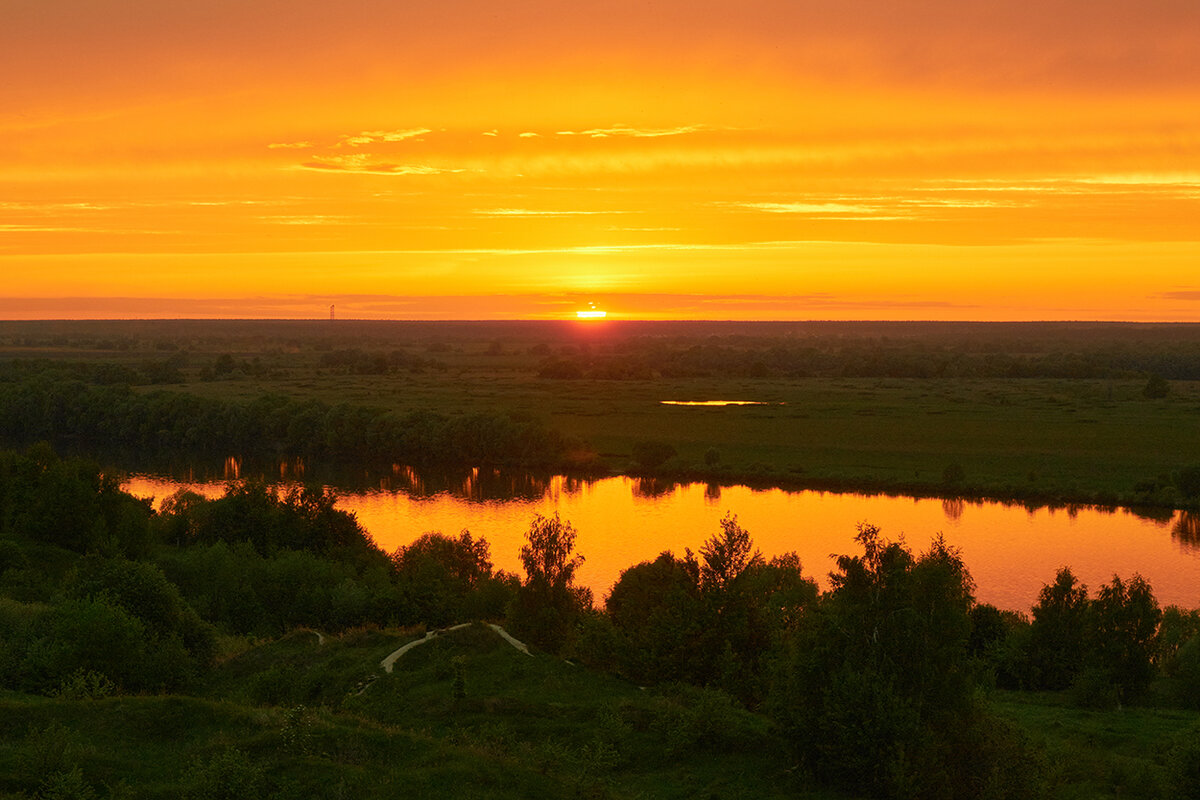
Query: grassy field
1100	754
293	718
1059	436
1071	438
466	715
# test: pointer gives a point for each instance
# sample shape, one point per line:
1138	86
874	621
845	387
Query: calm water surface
1011	551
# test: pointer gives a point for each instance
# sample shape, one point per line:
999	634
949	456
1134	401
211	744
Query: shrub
1183	767
954	474
1156	387
651	455
438	574
66	785
1187	481
85	684
1186	679
230	775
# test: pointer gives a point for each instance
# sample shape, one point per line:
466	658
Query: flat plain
1047	411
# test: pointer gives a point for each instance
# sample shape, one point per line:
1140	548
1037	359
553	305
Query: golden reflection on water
293	469
718	403
1011	550
1187	528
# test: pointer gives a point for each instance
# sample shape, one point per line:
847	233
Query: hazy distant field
1070	435
1057	434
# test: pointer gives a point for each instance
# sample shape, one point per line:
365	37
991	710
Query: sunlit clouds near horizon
713	160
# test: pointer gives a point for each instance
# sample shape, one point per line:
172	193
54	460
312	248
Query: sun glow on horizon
413	164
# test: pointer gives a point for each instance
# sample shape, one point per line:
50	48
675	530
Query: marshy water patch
711	403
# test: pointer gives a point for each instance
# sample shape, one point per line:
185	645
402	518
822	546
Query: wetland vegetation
1070	412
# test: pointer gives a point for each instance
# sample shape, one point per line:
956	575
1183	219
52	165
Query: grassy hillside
294	718
466	715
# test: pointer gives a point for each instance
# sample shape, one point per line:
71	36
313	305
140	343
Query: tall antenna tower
331	312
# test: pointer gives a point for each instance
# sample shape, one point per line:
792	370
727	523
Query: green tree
1123	634
1057	636
876	689
437	575
142	590
657	610
727	555
548	602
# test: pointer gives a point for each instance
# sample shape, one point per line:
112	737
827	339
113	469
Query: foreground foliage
250	630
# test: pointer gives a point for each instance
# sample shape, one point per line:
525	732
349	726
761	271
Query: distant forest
167	351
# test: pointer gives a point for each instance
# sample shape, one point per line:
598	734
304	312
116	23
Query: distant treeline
852	357
160	351
874	684
51	407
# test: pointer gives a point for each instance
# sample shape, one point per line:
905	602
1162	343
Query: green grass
1068	439
526	727
1100	754
520	726
1075	438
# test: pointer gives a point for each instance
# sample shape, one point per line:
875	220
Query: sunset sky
760	159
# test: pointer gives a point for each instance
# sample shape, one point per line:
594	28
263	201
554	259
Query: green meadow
1044	412
466	715
1069	438
294	718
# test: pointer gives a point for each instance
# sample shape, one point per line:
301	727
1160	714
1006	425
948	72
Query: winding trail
506	636
392	657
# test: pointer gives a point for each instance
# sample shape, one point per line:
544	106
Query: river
1011	550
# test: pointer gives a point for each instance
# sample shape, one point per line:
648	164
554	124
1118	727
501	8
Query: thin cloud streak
529	212
368	165
637	133
809	208
376	137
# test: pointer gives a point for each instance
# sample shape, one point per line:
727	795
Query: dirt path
508	638
392	657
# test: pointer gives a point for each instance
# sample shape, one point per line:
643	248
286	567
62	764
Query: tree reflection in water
651	488
477	484
1187	529
953	508
1163	516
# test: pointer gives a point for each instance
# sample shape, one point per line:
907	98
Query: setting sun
478	161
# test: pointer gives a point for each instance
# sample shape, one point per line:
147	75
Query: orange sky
771	159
